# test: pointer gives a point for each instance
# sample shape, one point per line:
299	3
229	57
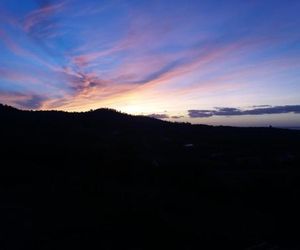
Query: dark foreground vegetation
106	180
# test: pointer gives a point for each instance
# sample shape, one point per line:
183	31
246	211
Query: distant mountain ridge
104	113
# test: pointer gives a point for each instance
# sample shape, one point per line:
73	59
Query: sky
201	61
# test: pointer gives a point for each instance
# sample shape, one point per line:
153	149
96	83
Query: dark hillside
107	180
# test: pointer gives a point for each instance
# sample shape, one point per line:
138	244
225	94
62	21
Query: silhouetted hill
107	180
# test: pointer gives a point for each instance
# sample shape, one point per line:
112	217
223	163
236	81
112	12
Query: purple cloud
266	110
159	116
22	100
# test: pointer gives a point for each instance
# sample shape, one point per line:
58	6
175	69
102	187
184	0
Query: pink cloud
41	14
14	75
88	94
22	100
11	44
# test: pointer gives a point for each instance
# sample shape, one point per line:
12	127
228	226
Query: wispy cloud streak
39	16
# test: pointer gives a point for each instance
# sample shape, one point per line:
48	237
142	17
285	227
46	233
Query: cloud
157	74
11	44
22	100
43	26
195	113
32	102
139	52
264	110
274	110
177	116
40	17
81	82
261	106
159	116
17	76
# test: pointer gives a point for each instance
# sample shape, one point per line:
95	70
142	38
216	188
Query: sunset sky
212	62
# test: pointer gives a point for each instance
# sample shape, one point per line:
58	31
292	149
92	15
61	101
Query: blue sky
161	58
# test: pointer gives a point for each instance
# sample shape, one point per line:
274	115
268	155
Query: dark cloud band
263	110
159	116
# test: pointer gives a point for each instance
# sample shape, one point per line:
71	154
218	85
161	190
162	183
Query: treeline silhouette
107	180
